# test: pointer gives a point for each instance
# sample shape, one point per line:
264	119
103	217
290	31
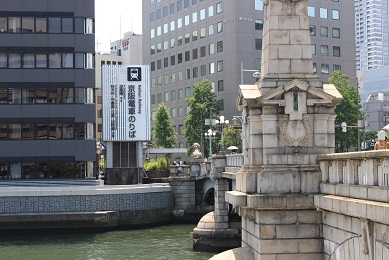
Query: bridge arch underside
353	229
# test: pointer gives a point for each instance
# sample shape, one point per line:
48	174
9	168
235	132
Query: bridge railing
363	175
234	160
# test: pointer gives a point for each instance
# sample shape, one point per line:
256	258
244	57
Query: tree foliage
348	111
232	137
163	131
202	103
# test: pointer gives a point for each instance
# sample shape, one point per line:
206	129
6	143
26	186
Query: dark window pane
3	25
79	25
67	25
54	25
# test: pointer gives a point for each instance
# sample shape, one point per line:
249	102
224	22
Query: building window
323	31
194	35
179	58
324	50
165	28
152	33
312	30
172	60
202	33
159	30
188	92
179	40
219	27
203	70
202	14
324	69
158	14
165	45
337	67
314	67
210	30
152	66
210	11
335	32
194	54
180	113
172	10
195	72
311	11
187	38
172	25
179	5
173	95
211	68
166	96
172	42
159	64
165	11
258	5
180	78
159	47
258	24
336	51
211	48
173	77
194	17
258	62
186	21
173	112
179	22
166	62
220	46
187	74
180	93
219	8
323	13
220	85
258	44
313	49
335	14
220	65
187	56
186	3
152	49
202	51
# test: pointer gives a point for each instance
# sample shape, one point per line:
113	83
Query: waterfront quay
25	207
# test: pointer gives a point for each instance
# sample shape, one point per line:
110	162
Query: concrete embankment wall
84	207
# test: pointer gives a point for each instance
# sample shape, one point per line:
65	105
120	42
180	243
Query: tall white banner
126	103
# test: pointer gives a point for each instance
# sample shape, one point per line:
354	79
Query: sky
109	13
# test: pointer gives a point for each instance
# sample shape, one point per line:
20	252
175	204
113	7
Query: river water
166	242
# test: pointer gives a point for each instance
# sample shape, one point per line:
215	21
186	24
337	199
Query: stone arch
209	196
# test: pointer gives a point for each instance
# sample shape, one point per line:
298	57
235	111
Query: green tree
163	131
233	137
348	111
203	104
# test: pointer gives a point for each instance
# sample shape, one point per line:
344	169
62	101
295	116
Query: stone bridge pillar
213	232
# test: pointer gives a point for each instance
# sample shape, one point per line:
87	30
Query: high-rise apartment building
47	81
372	34
186	41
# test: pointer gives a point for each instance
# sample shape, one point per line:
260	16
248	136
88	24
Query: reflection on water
167	242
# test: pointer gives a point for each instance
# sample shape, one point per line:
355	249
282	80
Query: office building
376	109
47	85
372	34
186	41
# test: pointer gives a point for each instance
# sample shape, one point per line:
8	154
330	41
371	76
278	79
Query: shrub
158	165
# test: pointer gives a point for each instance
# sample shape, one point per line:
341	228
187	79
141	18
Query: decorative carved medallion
295	132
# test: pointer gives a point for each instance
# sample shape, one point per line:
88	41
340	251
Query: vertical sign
126	103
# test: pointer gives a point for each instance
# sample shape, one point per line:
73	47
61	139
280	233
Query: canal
166	242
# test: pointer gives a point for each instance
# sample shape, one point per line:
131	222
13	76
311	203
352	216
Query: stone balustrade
360	175
234	160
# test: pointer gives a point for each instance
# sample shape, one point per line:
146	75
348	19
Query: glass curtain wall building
47	81
186	41
372	34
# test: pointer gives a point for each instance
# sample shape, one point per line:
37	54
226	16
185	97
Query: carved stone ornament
196	154
287	5
294	133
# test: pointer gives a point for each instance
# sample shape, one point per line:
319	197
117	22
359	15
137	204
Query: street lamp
210	134
222	122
